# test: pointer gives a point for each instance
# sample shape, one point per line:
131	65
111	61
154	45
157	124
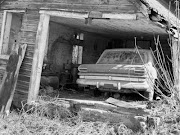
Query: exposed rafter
162	16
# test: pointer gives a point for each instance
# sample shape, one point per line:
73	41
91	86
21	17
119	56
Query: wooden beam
124	16
15	11
122	6
140	7
46	49
2	31
5	57
7	19
41	38
65	14
83	15
162	10
5	45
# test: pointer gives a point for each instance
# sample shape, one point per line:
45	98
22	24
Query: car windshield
122	57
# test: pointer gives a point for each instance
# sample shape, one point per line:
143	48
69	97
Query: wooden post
2	30
6	33
41	43
176	64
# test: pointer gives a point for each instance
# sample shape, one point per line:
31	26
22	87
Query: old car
122	71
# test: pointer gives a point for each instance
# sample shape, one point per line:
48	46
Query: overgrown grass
51	118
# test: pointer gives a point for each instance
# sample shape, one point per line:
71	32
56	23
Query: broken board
124	104
91	110
9	81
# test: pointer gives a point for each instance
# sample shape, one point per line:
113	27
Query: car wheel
149	95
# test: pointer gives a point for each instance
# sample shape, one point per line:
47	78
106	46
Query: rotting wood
4	57
140	6
117	7
124	104
91	14
78	1
176	64
2	30
123	109
104	112
41	43
95	115
7	87
30	22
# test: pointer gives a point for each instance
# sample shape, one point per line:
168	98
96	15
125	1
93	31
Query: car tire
149	95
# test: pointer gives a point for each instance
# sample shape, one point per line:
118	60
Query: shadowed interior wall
61	41
59	46
94	45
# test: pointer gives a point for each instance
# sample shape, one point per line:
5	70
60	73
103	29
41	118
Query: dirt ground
88	94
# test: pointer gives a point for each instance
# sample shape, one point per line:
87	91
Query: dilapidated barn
59	32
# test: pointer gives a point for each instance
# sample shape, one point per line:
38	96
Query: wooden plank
110	107
65	14
5	57
24	78
7	87
15	11
124	104
29	54
28	60
120	8
42	35
120	16
25	72
2	31
91	14
79	1
22	92
101	111
95	115
26	66
27	40
140	7
176	64
29	27
93	2
28	34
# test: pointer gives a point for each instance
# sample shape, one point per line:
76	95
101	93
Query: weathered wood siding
85	5
1	20
28	36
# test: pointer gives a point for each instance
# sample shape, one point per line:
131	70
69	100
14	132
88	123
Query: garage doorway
49	50
10	32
